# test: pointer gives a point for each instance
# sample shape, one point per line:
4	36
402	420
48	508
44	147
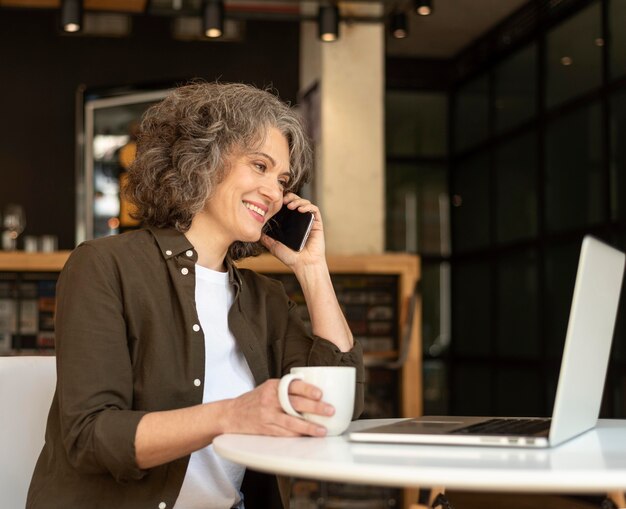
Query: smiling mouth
254	208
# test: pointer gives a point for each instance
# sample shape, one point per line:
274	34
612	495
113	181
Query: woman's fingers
301	388
294	426
309	406
307	398
293	202
259	411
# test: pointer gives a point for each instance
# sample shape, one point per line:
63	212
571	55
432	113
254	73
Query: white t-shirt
212	482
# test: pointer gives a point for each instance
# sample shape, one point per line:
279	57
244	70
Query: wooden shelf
405	265
380	264
391	354
388	263
20	261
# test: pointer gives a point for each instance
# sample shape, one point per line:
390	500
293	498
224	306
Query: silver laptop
581	380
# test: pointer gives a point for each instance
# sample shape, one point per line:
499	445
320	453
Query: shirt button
197	382
168	253
196	327
184	271
162	505
189	253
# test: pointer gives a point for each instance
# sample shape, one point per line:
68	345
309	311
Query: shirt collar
173	243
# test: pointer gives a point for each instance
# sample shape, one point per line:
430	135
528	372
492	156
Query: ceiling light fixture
398	25
213	18
328	23
424	7
71	15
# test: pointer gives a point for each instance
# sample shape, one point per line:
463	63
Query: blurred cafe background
486	137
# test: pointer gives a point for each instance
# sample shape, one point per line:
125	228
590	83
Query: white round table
594	462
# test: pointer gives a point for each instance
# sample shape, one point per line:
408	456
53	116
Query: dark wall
419	74
41	70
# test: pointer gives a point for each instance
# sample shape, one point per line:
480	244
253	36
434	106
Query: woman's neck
211	252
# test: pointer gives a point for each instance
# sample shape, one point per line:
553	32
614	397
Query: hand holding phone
290	227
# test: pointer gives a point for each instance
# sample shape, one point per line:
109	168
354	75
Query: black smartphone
290	227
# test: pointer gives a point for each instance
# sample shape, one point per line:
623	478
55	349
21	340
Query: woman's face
252	190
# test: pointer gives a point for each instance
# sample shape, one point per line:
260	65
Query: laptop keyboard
504	426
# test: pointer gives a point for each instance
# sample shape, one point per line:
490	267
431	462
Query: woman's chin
253	237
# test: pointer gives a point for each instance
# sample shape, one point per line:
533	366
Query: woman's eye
260	166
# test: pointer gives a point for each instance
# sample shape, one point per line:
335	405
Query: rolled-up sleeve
95	373
325	353
318	351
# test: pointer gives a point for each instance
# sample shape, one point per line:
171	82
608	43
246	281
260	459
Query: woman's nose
273	190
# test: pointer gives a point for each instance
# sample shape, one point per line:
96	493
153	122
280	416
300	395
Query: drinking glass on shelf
13	222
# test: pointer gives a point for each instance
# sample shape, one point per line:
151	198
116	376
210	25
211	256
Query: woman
162	343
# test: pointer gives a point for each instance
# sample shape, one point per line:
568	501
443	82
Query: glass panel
519	393
435	387
516	183
615	388
381	386
575	191
517	332
574	55
472	113
619	338
472	388
618	155
552	379
110	130
619	396
435	286
470	203
417	208
617	49
516	88
415	124
471	304
560	274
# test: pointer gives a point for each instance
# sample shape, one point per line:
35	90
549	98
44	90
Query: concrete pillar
349	181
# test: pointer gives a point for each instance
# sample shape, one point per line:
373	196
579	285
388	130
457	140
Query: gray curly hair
184	144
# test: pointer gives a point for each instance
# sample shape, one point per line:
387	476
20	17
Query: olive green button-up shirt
128	342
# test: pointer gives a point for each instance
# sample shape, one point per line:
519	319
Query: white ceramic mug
337	384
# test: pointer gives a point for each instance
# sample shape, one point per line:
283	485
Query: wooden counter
404	265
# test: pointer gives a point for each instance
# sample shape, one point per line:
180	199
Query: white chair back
26	389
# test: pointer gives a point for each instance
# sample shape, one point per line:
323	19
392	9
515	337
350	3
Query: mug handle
283	393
